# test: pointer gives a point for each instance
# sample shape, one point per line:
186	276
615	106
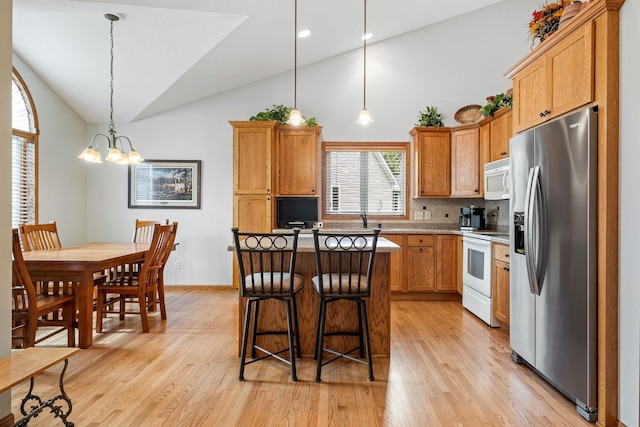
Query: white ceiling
172	52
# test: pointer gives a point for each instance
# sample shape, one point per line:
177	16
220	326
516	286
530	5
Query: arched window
24	154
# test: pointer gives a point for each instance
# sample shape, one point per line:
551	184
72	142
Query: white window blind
23	182
23	155
365	180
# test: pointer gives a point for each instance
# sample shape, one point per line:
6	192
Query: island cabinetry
396	270
501	128
465	161
560	80
420	257
501	283
298	154
432	161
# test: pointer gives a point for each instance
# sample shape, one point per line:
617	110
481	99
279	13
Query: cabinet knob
506	255
506	268
504	153
545	113
313	190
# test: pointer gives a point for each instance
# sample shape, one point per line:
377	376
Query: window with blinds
23	155
366	177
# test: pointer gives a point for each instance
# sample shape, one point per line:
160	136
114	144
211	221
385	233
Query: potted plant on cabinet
430	117
280	114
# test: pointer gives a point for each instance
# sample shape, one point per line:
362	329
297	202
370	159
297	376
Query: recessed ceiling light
367	36
303	33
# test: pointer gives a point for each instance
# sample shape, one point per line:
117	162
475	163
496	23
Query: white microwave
496	180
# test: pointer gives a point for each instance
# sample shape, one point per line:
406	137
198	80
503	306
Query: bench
22	365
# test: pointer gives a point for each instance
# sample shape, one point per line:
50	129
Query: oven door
476	261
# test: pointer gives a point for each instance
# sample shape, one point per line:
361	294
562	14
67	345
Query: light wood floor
446	369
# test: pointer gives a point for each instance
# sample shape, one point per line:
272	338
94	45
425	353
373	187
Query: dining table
79	263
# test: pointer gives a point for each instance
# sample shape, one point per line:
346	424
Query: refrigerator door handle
528	231
535	235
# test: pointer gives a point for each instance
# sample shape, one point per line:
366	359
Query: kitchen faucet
363	215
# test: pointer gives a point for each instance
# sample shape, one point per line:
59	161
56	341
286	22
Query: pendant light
365	117
295	117
115	154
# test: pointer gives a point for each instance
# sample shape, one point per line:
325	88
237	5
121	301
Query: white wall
629	315
5	191
61	175
447	65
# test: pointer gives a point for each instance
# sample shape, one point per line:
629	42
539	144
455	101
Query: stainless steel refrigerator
553	324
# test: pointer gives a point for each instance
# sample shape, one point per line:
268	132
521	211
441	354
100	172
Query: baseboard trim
424	296
198	288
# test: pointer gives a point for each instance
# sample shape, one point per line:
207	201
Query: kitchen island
340	315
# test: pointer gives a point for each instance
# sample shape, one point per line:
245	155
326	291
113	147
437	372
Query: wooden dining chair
146	284
143	230
344	263
38	237
30	308
266	263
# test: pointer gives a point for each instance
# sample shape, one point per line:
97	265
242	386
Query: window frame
332	146
33	136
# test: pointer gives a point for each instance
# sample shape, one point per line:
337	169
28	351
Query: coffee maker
471	218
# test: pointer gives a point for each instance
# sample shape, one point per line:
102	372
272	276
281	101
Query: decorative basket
468	114
570	10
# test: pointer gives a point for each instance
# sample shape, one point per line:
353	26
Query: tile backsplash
442	214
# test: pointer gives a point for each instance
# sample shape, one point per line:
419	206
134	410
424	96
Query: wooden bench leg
57	404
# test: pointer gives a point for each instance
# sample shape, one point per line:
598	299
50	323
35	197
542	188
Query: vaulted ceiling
172	52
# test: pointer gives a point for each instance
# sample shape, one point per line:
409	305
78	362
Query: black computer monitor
299	212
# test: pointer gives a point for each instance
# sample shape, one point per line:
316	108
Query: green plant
280	114
501	100
430	117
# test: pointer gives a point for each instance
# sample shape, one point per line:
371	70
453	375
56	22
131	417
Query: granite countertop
305	244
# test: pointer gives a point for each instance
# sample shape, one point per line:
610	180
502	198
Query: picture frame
172	184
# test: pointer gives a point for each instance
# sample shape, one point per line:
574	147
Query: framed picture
171	184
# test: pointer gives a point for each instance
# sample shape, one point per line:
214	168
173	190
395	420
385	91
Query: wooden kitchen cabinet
252	212
298	154
485	149
397	272
253	143
560	80
501	131
465	161
501	283
420	263
432	161
446	265
459	257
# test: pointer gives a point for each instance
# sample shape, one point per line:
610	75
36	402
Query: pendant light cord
295	57
364	92
111	125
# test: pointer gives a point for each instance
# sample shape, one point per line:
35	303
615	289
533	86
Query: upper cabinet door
501	132
298	154
432	161
465	162
252	149
559	81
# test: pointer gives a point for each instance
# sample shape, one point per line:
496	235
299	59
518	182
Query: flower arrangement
546	20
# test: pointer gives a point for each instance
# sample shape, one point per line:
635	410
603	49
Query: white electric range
477	260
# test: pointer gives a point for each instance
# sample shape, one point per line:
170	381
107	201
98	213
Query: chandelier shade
117	151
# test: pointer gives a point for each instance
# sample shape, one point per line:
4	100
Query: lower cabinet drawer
420	240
